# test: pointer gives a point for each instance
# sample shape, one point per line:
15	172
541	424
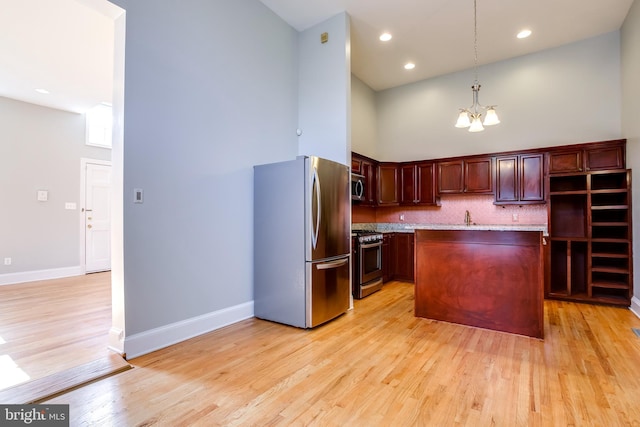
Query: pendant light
472	117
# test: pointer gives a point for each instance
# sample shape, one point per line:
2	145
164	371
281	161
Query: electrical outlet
401	217
515	217
7	261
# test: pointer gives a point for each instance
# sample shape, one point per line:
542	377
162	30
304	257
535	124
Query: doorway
106	250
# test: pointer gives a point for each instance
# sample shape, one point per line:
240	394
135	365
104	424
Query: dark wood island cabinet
487	279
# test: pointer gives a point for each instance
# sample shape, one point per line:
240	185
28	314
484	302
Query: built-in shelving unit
590	236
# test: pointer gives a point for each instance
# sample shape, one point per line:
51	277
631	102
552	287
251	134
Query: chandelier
472	117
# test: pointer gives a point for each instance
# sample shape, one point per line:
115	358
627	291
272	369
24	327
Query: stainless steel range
367	263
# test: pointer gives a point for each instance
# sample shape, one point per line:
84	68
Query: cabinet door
532	178
451	177
425	184
356	164
370	183
387	184
507	186
478	175
408	181
605	158
387	272
568	161
404	257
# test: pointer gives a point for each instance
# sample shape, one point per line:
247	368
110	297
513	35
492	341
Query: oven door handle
332	264
370	245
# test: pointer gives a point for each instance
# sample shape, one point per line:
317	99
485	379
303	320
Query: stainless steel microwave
357	187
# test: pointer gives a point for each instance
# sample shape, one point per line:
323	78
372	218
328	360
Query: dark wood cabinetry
469	175
590	232
397	257
606	155
403	260
367	168
520	179
387	256
417	183
387	184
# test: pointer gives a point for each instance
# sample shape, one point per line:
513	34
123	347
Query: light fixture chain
475	37
471	117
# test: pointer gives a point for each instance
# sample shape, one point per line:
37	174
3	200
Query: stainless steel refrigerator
301	241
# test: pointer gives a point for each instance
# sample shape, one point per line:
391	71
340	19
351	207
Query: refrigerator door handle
316	230
332	264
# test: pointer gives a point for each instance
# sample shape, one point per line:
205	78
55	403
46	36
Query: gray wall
324	91
631	123
364	120
41	149
210	91
559	96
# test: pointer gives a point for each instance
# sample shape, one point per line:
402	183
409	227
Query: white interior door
97	218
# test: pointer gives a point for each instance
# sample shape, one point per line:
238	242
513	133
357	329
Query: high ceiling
66	46
437	35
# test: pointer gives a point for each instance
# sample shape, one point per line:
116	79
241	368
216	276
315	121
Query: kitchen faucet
467	218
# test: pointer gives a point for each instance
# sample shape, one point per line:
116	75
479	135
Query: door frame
83	191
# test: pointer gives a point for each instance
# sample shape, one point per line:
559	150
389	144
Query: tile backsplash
452	211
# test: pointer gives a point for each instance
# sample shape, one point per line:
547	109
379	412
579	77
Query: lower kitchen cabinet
387	265
403	265
397	257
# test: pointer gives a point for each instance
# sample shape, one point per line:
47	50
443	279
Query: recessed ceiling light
409	66
385	37
44	91
524	34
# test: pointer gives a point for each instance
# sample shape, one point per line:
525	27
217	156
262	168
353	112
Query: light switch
138	195
70	206
43	195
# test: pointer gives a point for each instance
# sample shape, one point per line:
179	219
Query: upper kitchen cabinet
520	179
368	168
606	155
387	184
469	175
417	183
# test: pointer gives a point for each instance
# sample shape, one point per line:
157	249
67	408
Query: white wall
364	120
210	91
630	36
324	114
565	95
41	150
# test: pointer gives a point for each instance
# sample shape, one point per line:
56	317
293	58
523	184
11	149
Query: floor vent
636	331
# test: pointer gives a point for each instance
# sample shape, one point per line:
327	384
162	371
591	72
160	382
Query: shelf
610	270
609	191
590	234
565	193
568	239
597	298
610	285
609	255
603	240
608	207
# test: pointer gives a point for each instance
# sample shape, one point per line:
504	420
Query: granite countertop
409	228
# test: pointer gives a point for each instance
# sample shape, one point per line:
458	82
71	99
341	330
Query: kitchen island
485	278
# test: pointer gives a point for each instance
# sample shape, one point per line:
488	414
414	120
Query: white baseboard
635	306
32	276
155	339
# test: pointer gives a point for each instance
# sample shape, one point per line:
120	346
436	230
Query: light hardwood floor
47	327
378	365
